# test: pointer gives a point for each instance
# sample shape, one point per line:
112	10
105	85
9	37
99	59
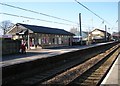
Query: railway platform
113	76
39	53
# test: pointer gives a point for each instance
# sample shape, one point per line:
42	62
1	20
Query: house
41	36
98	35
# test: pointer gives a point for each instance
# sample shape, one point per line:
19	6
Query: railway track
71	72
89	73
95	75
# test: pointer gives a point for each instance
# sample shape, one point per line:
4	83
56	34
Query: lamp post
88	35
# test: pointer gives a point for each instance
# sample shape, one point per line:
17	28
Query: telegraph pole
105	33
80	28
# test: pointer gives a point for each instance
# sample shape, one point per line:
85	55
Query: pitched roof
46	30
102	31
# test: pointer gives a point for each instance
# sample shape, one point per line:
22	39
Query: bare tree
5	25
74	31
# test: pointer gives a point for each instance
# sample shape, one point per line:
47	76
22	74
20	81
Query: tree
5	25
74	31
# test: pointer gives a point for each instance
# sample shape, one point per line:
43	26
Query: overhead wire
36	12
35	18
92	12
114	24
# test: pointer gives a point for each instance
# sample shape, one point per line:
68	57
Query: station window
60	40
55	40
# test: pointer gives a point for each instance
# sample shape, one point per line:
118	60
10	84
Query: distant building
98	35
41	36
85	35
116	36
77	37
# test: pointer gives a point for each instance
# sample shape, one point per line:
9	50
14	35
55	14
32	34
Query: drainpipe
28	40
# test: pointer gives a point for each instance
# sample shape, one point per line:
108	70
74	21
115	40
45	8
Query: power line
34	18
114	24
92	12
36	12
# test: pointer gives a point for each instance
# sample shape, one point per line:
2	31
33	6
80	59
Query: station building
39	36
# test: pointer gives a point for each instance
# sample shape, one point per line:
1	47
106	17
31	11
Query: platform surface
39	53
113	76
